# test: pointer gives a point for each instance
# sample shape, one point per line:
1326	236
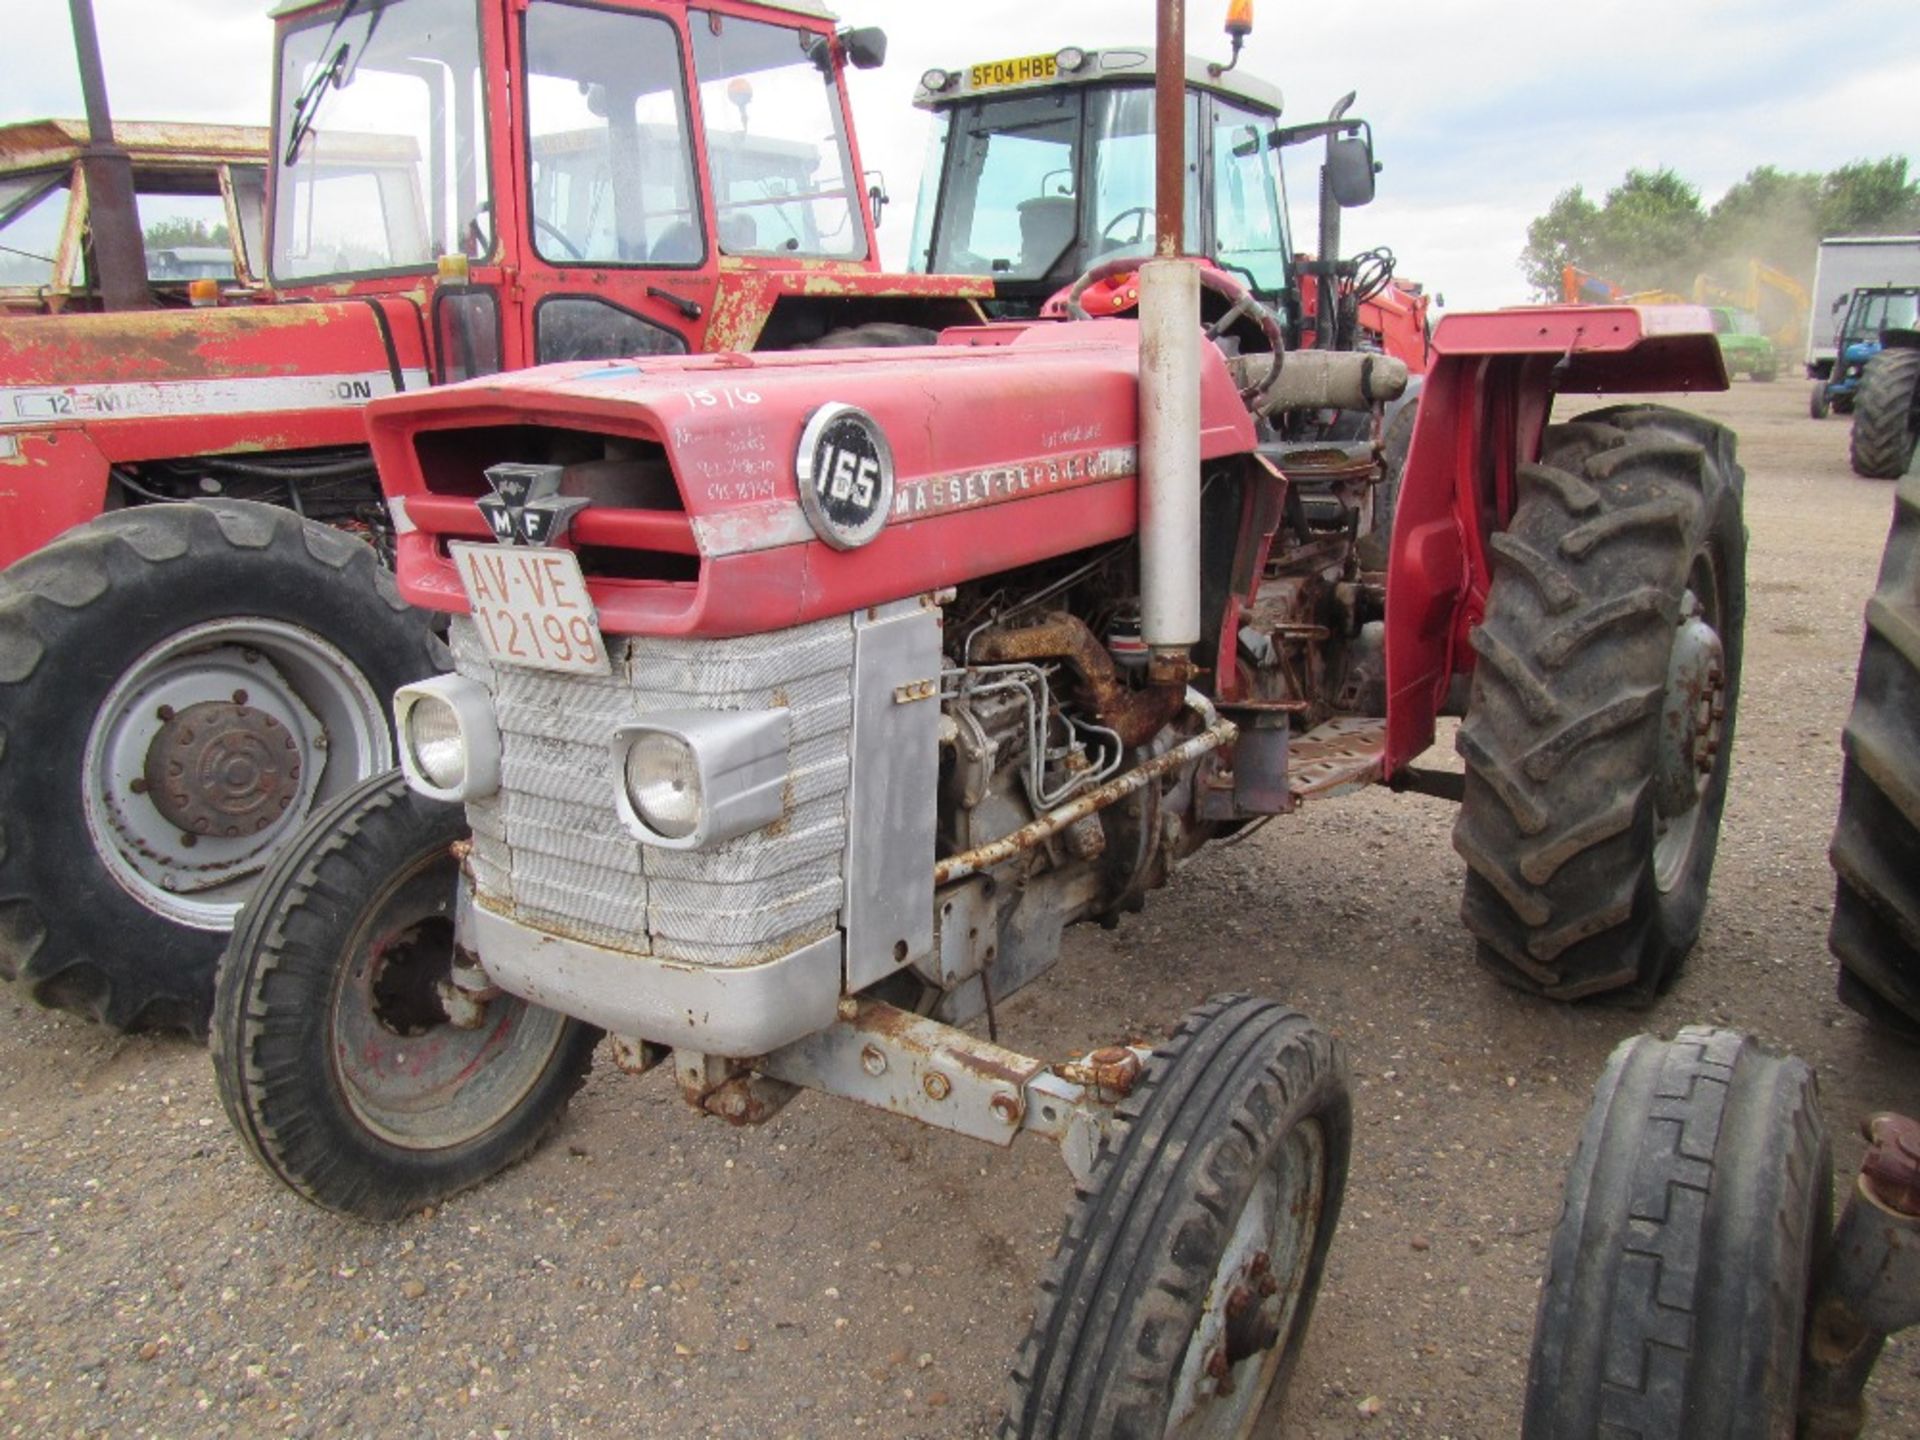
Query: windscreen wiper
335	73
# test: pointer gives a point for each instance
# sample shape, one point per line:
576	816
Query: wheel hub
1693	713
222	767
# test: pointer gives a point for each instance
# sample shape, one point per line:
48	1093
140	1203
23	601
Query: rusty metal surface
1169	127
46	144
1136	716
1891	1168
222	768
1337	756
1867	1286
909	1065
998	852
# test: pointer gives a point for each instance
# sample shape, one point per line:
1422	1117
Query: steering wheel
1241	301
1139	214
476	238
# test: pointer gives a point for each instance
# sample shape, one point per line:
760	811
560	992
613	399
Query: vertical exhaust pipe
119	253
1169	487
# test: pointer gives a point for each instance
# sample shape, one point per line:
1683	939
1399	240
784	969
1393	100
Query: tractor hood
927	466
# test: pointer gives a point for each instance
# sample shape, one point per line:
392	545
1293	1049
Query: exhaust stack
1169	486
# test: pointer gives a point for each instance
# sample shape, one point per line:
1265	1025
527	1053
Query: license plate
531	607
1012	72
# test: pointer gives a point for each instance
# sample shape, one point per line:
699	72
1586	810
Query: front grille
549	849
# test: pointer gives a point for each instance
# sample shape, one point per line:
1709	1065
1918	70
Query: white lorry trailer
1845	263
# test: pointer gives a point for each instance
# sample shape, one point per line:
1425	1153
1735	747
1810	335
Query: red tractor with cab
800	701
198	638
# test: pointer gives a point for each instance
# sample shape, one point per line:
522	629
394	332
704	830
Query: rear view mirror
866	47
1350	170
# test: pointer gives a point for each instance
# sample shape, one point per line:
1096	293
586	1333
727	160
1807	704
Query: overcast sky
1483	110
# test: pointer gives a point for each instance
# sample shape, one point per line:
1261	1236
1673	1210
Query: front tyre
1677	1281
1180	1294
1600	721
180	686
338	1058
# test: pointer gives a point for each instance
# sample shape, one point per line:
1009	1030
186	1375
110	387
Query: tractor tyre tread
1562	728
1876	842
54	890
1122	1293
284	944
1886	409
1677	1278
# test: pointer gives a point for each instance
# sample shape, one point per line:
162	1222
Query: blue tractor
1872	310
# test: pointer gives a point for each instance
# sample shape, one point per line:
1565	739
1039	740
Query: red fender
1482	413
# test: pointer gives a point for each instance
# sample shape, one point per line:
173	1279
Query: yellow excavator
1781	302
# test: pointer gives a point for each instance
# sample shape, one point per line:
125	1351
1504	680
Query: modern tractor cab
1040	167
584	181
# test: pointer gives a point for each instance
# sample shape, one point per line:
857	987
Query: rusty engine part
1135	715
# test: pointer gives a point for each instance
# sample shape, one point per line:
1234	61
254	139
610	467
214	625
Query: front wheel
1180	1294
1600	722
180	686
1818	405
1677	1281
346	1058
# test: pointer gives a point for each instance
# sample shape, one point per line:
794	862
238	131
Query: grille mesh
549	849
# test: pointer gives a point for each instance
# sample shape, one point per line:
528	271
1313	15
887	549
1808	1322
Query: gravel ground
839	1272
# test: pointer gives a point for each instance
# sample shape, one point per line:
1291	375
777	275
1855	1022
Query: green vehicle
1743	344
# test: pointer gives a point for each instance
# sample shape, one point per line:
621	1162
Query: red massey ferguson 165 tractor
800	701
454	189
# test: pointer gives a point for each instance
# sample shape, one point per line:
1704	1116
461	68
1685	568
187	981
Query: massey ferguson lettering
938	494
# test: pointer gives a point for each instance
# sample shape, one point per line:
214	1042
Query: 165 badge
844	469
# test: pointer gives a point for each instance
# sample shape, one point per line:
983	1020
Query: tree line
1650	232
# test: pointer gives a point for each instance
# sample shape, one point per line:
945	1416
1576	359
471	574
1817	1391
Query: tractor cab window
184	229
1040	185
612	167
775	128
1249	199
380	140
1875	313
1120	135
33	218
1011	199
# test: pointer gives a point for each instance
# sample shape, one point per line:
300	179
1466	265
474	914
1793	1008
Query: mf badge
845	473
526	507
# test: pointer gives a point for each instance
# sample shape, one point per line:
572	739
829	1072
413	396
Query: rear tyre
180	685
1886	415
1677	1281
877	334
1376	545
1181	1291
1876	845
1600	722
333	1048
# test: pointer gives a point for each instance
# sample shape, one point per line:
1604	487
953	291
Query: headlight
1070	59
449	743
439	749
663	782
693	778
936	80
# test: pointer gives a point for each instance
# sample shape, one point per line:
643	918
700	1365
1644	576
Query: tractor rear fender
80	394
1483	410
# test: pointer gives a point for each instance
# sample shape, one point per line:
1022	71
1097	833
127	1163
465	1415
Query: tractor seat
1046	225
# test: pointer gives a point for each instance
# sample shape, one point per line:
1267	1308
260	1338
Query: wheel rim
1253	1300
209	752
1692	725
406	1070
